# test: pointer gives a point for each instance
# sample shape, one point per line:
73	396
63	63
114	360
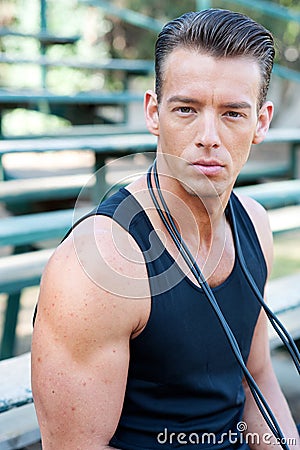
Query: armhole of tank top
243	213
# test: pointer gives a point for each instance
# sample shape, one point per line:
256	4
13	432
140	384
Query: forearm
257	427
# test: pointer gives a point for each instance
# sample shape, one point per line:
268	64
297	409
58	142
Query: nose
207	136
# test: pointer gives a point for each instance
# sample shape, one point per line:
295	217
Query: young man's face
207	119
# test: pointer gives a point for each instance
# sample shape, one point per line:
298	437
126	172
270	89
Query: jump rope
287	340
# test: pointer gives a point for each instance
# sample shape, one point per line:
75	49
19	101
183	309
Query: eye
185	110
233	114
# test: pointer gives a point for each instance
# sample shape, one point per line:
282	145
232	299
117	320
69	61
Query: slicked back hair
219	33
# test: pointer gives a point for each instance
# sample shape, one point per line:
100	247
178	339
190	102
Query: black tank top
184	385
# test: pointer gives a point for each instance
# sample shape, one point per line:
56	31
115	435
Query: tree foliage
128	41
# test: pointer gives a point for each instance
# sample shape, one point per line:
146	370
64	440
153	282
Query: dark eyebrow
192	101
178	99
237	105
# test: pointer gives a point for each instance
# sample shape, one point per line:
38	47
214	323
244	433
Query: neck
202	218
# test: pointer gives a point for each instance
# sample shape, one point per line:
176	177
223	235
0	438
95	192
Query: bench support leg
10	324
294	161
101	186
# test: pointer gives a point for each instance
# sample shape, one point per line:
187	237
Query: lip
208	166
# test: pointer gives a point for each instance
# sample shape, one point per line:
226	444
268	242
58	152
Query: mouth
208	167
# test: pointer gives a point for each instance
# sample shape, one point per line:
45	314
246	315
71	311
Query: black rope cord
193	266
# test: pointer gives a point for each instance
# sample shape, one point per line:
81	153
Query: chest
183	334
216	259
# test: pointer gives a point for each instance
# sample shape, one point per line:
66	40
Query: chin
205	190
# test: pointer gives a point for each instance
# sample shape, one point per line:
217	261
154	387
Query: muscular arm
259	361
80	348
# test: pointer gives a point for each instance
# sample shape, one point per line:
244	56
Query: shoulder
91	278
259	218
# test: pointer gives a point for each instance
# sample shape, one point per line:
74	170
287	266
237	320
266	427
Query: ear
263	123
151	112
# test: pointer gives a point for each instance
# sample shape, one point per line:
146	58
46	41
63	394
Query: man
127	351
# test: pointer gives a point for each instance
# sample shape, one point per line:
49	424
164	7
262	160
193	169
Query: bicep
80	354
77	402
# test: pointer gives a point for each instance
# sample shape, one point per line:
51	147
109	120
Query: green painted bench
136	141
27	97
16	273
273	169
84	130
24	269
103	146
284	298
119	144
84	107
59	187
274	194
79	108
44	38
20	230
129	66
18	423
24	191
33	228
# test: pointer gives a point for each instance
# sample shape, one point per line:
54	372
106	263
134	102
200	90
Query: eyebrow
237	105
179	99
192	101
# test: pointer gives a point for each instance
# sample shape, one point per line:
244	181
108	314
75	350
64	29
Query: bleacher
41	209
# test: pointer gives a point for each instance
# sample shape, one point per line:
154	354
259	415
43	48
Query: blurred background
93	31
72	78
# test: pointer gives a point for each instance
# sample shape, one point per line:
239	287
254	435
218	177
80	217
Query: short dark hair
219	33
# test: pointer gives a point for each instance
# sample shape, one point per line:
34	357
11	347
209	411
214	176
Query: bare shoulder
99	267
260	220
255	210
